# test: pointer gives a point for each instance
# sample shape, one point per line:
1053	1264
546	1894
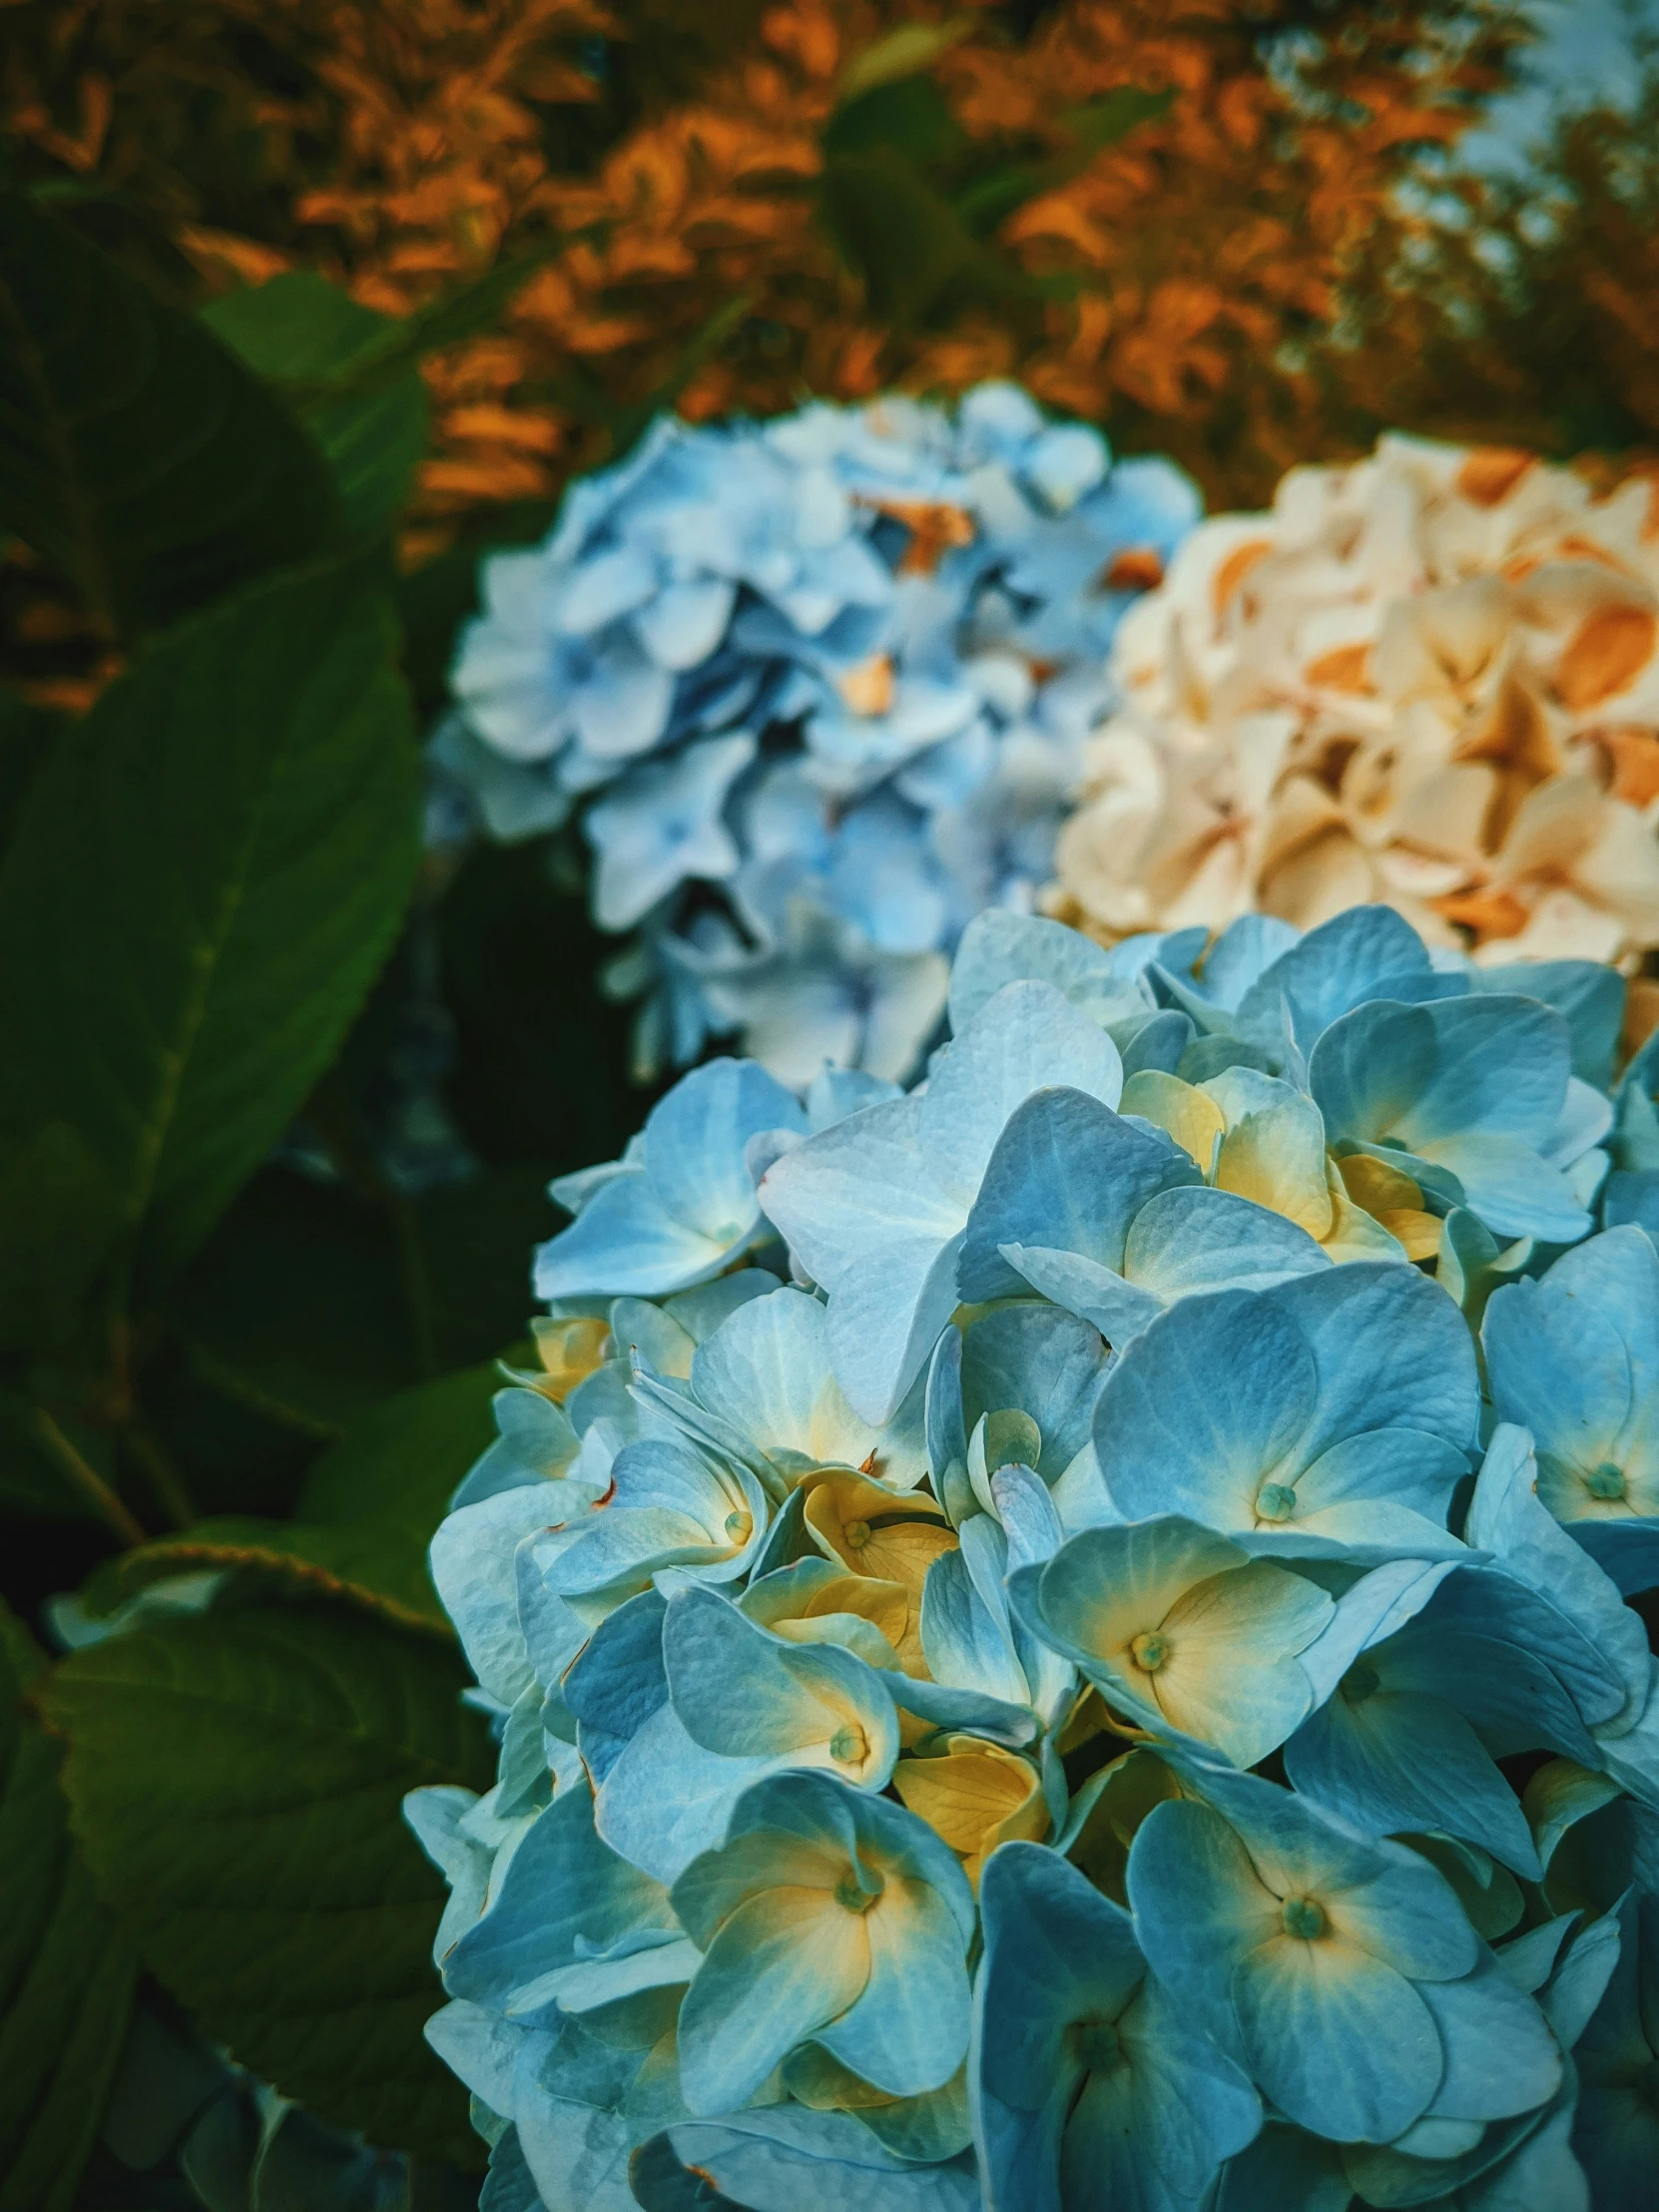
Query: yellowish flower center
848	1744
1605	1482
1304	1918
740	1526
1274	1502
853	1896
856	1534
1149	1650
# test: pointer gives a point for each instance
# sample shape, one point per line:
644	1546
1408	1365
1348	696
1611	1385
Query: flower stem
111	1508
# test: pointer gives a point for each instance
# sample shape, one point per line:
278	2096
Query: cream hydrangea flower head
1428	678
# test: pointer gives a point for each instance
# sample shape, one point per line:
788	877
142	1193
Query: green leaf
296	1305
902	236
991	200
461	313
235	1781
374	444
304	334
27	732
524	1024
300	1306
909	114
136	455
58	1225
206	878
364	1518
369	1567
629	423
66	1976
1115	114
35	1482
398	1465
316	348
299	330
901	53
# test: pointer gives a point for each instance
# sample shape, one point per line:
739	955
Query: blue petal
566	1897
999	947
1067	1173
695	1139
782	2159
1194	1239
625	1240
1083	1287
1029	1037
1203	1405
1398	1762
1338	2039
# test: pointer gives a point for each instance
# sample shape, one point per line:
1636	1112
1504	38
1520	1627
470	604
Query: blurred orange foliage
1172	285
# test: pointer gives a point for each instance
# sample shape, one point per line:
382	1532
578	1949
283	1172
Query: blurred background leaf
304	336
136	456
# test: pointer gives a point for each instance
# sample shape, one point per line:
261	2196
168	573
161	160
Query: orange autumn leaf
1173	273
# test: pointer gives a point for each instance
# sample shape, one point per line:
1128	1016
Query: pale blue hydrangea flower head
818	688
1061	1639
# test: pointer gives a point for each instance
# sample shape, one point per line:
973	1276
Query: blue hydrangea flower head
1063	1637
817	690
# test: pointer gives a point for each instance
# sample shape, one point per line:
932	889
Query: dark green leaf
464	313
235	1781
374	443
477	1239
991	200
396	1466
365	1516
368	1567
206	877
316	348
32	1482
902	236
541	1063
27	732
58	1225
311	338
66	1976
299	330
1115	114
136	455
301	1303
627	424
909	114
296	1305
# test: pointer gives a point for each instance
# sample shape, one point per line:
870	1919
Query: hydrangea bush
819	688
1429	678
1063	1640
